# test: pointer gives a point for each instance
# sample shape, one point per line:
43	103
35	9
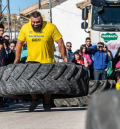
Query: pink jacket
89	61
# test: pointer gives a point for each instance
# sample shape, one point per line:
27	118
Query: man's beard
37	29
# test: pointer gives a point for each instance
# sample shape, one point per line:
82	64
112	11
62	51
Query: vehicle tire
103	111
94	87
36	78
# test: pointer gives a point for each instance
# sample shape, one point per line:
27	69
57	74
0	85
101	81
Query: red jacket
78	61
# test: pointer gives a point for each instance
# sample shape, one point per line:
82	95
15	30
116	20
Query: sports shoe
47	107
34	104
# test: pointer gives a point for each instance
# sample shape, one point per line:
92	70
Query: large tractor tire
103	111
35	78
94	87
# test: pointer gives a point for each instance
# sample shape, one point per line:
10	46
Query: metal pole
50	7
15	27
0	9
39	4
8	12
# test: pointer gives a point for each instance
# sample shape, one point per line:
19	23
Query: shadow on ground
23	108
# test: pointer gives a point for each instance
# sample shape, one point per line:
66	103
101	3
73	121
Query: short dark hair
2	26
6	42
1	42
36	14
101	43
88	38
76	52
68	42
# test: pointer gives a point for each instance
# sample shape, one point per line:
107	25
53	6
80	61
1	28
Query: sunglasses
69	46
100	46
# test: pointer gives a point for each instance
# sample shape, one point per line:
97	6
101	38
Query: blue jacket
101	58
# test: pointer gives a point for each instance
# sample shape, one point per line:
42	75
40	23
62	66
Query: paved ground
18	117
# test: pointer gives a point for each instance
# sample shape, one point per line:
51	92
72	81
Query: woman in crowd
111	67
86	56
117	66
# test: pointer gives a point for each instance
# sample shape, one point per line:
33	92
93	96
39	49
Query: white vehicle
103	22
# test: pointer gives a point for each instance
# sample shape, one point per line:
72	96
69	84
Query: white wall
67	17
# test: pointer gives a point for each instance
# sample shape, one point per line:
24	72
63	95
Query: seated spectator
69	51
79	59
101	61
110	70
86	56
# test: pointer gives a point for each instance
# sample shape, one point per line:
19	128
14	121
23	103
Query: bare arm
19	46
62	49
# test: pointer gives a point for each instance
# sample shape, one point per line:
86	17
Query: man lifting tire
40	36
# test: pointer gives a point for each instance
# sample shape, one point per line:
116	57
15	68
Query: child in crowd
79	59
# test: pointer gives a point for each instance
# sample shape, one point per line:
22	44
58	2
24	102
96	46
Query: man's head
12	46
1	30
88	42
7	37
76	55
68	46
36	21
1	45
5	43
100	46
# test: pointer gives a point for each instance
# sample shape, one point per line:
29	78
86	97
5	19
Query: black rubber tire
103	111
36	78
94	87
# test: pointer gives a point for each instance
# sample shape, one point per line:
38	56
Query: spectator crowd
97	59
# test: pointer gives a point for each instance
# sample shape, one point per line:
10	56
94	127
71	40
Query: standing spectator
101	61
1	31
79	59
24	53
110	70
69	51
88	44
83	51
7	37
12	46
2	103
116	60
11	54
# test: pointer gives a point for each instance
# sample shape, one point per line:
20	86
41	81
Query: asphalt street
18	117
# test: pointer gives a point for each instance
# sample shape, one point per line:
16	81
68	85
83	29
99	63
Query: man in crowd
1	31
69	51
101	61
40	37
88	44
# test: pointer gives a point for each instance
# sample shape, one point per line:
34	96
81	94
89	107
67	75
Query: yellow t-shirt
40	45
